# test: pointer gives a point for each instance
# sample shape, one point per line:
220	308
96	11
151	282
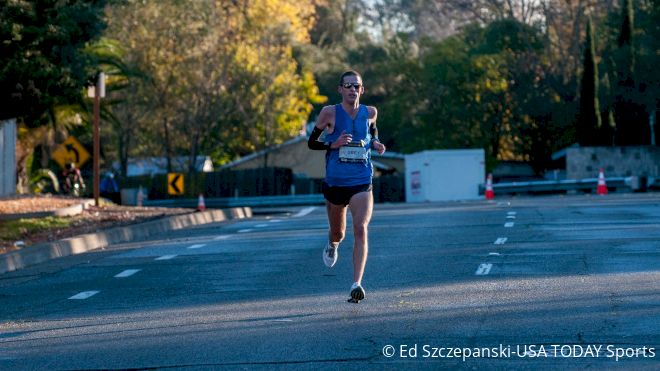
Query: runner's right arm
321	123
313	141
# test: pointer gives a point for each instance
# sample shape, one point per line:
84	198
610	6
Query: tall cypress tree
589	117
626	35
647	60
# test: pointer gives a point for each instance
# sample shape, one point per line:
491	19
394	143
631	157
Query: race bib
352	153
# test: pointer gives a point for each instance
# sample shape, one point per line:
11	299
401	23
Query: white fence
7	157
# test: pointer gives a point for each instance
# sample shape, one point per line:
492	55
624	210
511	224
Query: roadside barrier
257	201
626	184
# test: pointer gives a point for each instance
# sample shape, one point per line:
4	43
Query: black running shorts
342	195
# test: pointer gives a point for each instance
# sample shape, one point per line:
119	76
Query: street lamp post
99	92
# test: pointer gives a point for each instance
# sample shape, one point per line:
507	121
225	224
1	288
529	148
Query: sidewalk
80	244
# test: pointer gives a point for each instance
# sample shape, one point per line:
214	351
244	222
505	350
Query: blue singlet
345	174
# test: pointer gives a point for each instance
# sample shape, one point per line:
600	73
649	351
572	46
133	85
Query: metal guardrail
556	186
257	201
542	186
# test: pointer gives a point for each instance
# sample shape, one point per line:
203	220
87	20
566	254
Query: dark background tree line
520	79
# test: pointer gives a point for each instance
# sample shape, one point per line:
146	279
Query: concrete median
80	244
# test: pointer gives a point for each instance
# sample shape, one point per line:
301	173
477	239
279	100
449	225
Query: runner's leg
361	206
337	221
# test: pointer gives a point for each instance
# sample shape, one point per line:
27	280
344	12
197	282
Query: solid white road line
166	257
508	224
196	246
305	211
245	230
500	241
84	295
483	269
127	273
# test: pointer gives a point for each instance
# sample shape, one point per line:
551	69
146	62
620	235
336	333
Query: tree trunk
168	147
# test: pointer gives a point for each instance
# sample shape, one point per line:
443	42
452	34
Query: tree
632	127
589	120
647	62
220	77
43	70
42	63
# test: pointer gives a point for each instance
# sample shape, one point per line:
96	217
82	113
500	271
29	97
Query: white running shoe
357	292
330	255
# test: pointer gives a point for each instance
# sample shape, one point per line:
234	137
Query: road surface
558	282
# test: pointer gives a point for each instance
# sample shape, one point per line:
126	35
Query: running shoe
357	292
330	255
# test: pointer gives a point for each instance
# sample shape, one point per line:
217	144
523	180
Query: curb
80	244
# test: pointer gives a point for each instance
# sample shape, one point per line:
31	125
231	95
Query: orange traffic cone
200	203
602	188
489	187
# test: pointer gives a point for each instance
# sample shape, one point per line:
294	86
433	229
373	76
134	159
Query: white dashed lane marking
261	225
508	224
245	230
483	269
500	241
218	238
305	211
166	257
196	246
84	295
127	273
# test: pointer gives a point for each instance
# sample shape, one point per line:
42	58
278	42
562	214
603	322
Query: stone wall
584	162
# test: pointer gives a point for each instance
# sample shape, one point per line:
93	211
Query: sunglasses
347	85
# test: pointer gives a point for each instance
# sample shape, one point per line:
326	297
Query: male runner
350	133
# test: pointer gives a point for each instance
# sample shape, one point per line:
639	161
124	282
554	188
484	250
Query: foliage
630	59
484	88
219	77
42	63
228	77
44	181
589	120
17	229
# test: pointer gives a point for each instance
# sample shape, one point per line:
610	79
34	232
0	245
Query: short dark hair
349	73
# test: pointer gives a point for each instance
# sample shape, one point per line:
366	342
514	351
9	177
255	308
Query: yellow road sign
71	151
175	184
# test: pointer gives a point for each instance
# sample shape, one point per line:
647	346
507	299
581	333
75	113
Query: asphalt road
562	282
